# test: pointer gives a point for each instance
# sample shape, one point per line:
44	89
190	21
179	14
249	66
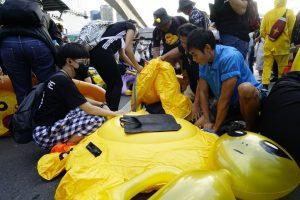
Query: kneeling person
64	114
224	71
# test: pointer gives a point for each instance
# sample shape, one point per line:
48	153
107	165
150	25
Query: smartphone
93	149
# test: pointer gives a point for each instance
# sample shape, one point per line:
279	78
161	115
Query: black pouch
149	123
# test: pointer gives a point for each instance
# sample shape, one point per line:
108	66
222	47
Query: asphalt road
19	179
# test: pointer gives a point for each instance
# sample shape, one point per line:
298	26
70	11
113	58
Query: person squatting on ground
279	49
118	38
224	71
64	114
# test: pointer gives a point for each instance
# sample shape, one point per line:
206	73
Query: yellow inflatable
246	166
112	165
158	82
8	102
259	167
296	63
110	157
251	166
198	185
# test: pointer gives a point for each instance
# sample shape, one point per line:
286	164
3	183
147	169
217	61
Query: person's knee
247	91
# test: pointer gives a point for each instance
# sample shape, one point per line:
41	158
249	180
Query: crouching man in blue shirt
225	75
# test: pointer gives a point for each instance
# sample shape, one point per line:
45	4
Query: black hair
131	21
71	50
185	29
199	38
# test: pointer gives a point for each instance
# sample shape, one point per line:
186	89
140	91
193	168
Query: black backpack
21	12
22	123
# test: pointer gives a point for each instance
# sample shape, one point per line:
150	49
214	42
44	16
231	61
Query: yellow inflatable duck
110	157
251	166
110	164
8	104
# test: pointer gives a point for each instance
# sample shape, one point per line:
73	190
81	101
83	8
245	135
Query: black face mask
81	68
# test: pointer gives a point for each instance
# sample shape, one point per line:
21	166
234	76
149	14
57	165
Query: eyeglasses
86	62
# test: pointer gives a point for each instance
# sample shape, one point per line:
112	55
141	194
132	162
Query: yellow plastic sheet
296	63
125	156
158	82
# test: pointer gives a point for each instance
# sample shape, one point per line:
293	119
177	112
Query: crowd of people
218	55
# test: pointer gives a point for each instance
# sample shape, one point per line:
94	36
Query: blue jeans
241	45
22	55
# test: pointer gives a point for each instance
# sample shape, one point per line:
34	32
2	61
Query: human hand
208	126
139	68
120	113
196	112
146	62
162	58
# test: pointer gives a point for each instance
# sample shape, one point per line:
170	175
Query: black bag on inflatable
21	12
149	123
22	124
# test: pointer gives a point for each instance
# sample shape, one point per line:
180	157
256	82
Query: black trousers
106	65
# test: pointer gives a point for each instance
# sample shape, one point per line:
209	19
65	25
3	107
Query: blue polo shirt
228	63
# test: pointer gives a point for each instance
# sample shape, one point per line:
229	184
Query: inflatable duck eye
3	106
273	149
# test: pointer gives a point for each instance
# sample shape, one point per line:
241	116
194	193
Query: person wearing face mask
224	71
64	114
82	73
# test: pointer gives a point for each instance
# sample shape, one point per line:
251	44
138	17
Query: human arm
203	98
129	50
124	57
171	55
156	43
239	6
196	104
224	102
98	111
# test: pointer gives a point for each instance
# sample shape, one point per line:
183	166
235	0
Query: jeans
20	57
233	41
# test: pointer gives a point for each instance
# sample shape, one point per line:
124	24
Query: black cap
184	4
161	17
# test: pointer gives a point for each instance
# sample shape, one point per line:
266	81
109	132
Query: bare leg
249	104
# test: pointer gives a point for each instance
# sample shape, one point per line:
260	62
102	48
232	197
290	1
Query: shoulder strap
284	15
